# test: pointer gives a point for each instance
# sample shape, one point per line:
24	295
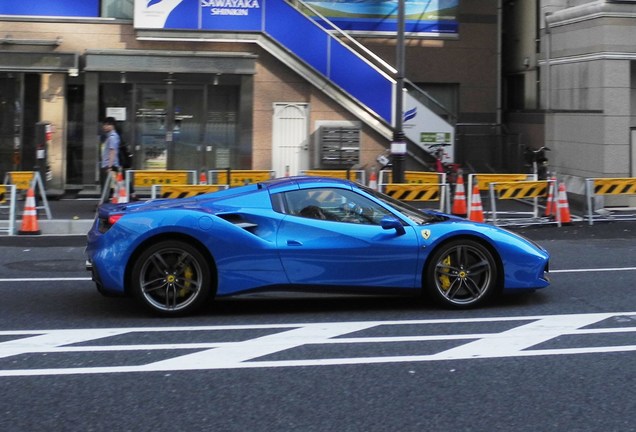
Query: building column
90	162
53	110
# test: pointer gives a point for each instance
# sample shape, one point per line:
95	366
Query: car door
337	250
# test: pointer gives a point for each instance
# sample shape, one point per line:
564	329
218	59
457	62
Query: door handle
294	243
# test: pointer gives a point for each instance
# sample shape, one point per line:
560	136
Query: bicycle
538	160
452	170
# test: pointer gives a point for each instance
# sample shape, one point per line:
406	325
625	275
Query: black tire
172	278
461	274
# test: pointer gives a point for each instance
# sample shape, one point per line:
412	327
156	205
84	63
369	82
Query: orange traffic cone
203	178
373	179
121	195
459	201
30	216
563	206
476	210
550	205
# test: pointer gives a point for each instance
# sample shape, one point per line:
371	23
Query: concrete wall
588	89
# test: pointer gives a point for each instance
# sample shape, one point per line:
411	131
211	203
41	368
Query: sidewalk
68	216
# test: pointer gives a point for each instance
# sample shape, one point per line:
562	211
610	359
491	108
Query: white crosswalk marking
514	341
523	339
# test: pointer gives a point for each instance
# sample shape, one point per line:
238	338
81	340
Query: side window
339	205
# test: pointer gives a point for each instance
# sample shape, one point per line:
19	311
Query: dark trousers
103	176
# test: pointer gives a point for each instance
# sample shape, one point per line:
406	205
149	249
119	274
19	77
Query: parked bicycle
537	159
452	170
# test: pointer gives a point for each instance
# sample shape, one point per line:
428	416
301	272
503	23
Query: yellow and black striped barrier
353	175
522	190
436	192
483	180
184	191
608	186
614	186
147	178
235	178
23	181
415	177
140	182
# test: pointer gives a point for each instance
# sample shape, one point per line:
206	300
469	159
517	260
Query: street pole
398	145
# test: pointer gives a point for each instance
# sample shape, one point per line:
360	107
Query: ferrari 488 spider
305	234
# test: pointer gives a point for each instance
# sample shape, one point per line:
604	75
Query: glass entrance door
170	125
151	123
189	123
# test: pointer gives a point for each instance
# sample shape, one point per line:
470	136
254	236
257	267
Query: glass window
340	205
121	9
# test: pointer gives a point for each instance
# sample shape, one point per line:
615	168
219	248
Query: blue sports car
305	234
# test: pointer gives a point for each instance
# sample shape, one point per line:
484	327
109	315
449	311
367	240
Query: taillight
106	223
112	219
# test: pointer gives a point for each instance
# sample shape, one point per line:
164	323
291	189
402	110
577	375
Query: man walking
109	151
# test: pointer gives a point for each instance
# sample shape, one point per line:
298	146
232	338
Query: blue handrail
330	57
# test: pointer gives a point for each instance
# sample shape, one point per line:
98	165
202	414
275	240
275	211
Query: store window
120	9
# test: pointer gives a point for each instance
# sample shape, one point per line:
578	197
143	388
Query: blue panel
237	15
430	16
375	25
310	42
58	8
184	16
363	82
297	33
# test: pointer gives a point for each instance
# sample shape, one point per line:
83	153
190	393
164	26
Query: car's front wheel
171	278
461	274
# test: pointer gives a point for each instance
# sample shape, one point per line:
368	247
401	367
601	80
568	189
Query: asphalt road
557	359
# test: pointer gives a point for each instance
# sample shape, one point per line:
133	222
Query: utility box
338	147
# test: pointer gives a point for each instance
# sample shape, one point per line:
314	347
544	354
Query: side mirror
390	222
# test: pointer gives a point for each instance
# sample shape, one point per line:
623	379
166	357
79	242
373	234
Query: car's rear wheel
171	278
461	274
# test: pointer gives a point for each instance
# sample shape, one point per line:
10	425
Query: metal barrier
516	190
438	192
23	181
609	186
141	181
7	201
184	191
353	175
416	177
483	182
235	178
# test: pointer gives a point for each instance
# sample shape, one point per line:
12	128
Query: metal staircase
328	58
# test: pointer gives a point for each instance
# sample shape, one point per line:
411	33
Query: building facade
571	85
193	99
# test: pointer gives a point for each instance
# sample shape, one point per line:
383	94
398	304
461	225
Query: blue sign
57	8
231	15
380	16
218	15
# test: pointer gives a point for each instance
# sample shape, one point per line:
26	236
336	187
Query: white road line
57	279
591	270
522	340
67	279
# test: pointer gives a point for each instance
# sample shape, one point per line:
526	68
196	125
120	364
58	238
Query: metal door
290	138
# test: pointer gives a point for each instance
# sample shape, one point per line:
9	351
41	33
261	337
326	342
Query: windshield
414	214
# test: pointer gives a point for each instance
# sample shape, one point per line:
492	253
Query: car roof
302	182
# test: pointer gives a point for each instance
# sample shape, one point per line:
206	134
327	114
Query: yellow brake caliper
187	274
443	279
